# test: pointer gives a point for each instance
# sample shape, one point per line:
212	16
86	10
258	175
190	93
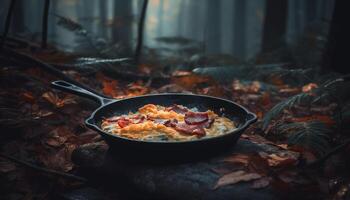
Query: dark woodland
276	68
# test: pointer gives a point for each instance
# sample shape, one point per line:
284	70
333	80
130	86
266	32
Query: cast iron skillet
163	149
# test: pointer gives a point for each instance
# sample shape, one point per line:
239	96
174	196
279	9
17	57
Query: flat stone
190	180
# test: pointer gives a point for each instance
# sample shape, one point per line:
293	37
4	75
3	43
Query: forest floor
41	127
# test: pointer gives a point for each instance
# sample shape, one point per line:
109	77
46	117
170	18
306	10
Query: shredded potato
149	124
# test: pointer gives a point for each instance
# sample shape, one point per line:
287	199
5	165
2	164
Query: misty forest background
234	29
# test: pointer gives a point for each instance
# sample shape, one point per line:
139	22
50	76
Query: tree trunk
336	53
214	26
160	18
274	25
239	29
103	18
122	22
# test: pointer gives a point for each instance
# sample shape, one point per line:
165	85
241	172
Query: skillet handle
74	89
251	118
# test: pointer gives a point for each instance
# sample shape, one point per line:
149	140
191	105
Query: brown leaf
236	177
189	82
253	87
28	97
60	160
109	87
261	183
58	136
265	99
275	160
237	158
215	91
56	101
309	87
259	164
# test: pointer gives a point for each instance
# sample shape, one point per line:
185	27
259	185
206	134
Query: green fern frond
312	135
286	104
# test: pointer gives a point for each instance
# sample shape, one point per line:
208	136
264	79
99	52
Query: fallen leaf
58	136
309	87
265	99
261	183
236	177
283	146
275	160
136	89
215	91
258	163
109	88
276	80
60	160
237	158
189	82
253	87
28	97
55	100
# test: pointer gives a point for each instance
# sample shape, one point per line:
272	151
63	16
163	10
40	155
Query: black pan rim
112	101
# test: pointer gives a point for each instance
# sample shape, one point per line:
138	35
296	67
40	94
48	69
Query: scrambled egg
151	130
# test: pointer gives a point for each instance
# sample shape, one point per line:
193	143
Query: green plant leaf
286	104
312	135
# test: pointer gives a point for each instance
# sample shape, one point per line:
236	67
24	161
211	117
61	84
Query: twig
7	22
140	31
330	153
45	24
26	60
42	169
19	42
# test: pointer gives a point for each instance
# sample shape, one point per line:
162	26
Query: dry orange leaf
275	160
309	87
28	97
55	100
189	82
110	87
236	177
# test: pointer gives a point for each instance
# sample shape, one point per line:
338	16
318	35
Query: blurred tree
160	18
103	19
121	31
239	29
213	26
337	49
274	25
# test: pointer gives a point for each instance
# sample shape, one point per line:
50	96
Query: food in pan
175	123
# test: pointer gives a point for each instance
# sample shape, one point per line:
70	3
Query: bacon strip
183	127
196	118
177	108
122	122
